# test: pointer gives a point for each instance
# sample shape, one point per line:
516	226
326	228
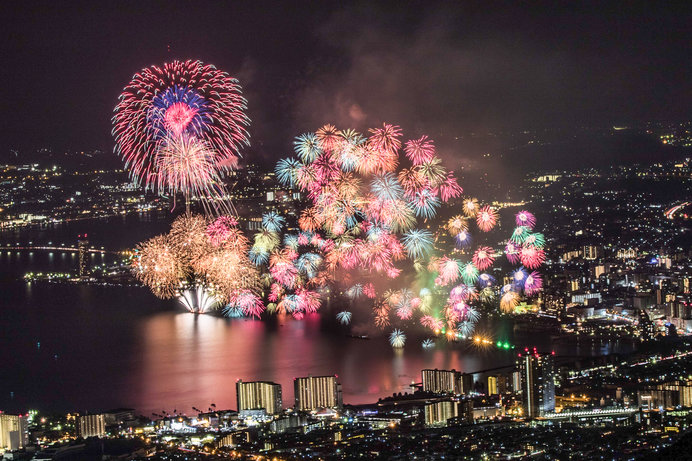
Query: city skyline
382	230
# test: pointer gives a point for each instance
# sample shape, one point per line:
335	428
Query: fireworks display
294	267
180	126
368	236
370	214
203	263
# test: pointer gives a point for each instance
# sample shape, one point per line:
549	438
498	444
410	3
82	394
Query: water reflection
193	360
122	347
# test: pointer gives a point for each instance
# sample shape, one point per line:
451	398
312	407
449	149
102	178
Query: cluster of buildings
42	194
537	397
528	391
13	432
262	399
620	251
443	397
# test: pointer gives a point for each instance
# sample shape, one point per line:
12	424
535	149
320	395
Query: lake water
86	347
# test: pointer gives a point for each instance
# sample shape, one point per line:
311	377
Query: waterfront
95	347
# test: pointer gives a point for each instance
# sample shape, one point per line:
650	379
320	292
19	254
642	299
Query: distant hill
597	150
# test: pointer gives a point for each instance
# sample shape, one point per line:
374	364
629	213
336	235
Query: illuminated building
628	253
234	438
83	247
316	392
516	381
647	328
281	425
548	178
13	432
91	425
590	252
441	381
666	395
679	313
259	395
492	385
587	298
537	382
446	381
497	384
437	413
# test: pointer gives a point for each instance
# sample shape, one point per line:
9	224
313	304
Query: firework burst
374	207
180	126
203	263
397	339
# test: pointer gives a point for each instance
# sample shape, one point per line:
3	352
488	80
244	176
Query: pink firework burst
449	270
385	138
532	257
533	283
248	302
525	218
450	189
178	116
221	229
420	150
431	322
486	218
513	252
404	312
484	257
181	98
283	271
308	301
369	290
462	292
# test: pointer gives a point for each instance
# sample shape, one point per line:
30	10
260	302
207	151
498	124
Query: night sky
442	68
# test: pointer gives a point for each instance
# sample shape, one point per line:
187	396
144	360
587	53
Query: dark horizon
437	68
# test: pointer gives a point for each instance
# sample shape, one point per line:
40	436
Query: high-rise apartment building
441	381
259	395
13	432
83	248
516	381
92	425
438	413
446	381
537	382
492	385
317	392
590	252
498	384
